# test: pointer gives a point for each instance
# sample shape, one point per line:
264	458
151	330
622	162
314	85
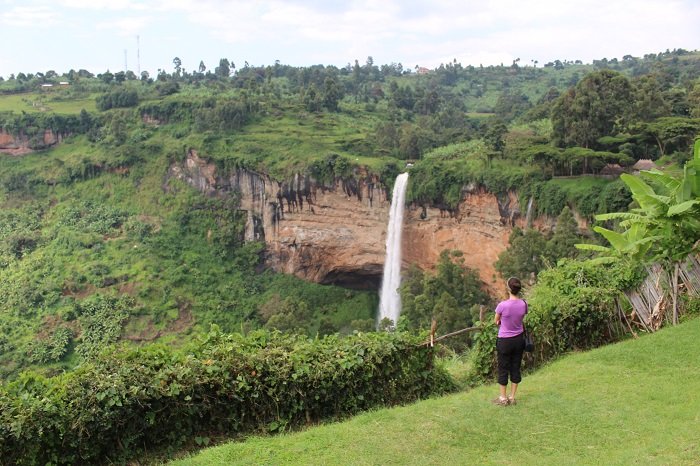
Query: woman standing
510	342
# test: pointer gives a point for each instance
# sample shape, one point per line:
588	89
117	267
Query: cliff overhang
335	233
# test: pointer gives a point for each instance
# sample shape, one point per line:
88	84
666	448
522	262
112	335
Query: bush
572	307
126	401
118	98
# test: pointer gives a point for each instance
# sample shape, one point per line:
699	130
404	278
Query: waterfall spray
389	299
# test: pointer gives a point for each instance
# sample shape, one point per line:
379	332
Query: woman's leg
515	363
503	362
503	369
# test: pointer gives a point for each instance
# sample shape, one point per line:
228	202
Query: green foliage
101	319
125	402
120	97
572	307
588	391
108	218
525	256
665	226
89	216
448	296
566	235
530	251
51	349
591	110
483	353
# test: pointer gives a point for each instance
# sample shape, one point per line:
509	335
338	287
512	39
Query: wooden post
433	328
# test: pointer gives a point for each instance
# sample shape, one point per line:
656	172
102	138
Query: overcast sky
38	35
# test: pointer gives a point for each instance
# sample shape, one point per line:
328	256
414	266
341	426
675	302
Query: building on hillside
643	164
64	84
422	70
46	86
611	170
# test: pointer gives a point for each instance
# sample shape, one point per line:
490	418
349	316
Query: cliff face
480	228
336	233
20	144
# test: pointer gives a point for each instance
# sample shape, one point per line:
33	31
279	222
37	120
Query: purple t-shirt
512	312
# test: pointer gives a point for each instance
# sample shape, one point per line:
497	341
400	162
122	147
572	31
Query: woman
510	342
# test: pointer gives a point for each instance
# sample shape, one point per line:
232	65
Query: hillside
100	243
629	403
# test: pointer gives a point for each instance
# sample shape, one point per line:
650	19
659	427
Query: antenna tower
138	56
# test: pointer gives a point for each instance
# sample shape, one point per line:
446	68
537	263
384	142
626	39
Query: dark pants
510	354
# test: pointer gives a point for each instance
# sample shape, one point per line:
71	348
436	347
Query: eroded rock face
337	233
17	145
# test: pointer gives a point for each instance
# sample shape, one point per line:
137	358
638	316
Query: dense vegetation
98	245
123	403
579	410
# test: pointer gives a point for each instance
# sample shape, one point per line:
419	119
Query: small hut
643	164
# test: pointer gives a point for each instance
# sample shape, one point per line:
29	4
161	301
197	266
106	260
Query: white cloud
127	26
102	5
304	32
29	17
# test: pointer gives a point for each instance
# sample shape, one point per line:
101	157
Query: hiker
510	342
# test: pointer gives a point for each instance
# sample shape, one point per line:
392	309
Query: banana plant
664	228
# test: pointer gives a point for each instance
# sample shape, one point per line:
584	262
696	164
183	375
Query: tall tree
177	63
525	256
597	106
224	68
563	242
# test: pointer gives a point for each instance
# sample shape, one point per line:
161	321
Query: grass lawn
636	402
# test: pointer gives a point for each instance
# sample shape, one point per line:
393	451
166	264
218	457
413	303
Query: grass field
636	402
45	102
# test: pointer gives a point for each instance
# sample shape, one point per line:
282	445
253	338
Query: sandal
500	401
511	401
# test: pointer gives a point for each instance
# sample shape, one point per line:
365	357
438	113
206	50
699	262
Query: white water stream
389	298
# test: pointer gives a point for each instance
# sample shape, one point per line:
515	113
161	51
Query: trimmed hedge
128	401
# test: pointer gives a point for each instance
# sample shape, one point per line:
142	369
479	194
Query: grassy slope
634	402
45	102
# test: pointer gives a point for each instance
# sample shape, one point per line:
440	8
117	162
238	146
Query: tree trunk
674	292
661	146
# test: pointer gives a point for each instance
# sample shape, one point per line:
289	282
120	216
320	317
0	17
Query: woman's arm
497	319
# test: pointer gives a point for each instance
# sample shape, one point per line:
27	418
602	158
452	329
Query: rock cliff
21	144
335	233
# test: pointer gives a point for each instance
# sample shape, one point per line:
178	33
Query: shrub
126	401
572	307
118	98
53	348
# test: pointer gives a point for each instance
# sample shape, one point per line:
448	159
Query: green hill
91	226
634	402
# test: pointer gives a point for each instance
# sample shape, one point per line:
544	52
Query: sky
100	35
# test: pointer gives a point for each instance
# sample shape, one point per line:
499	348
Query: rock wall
17	145
336	233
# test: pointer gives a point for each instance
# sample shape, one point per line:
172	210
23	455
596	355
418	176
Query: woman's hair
514	285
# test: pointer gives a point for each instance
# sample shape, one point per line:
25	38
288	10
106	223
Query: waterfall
528	214
389	299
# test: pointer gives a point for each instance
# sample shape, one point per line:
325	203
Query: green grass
286	142
45	102
631	403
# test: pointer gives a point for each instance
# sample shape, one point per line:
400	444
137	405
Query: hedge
127	401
